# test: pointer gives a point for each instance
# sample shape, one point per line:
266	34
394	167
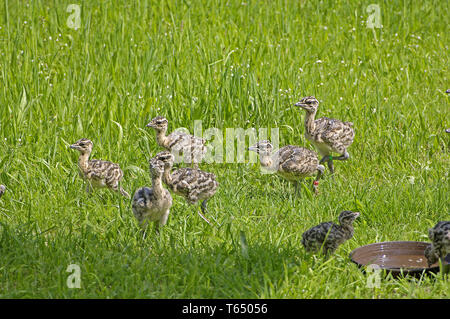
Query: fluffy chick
192	184
327	135
192	148
440	242
98	173
152	204
291	162
328	236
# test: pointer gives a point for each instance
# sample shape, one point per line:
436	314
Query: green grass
230	64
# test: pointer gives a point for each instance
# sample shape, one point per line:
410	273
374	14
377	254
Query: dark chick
440	242
328	236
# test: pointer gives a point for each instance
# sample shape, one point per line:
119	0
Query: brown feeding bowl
397	257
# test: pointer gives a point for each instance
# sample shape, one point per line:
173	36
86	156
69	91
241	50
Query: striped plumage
328	235
293	163
190	148
440	242
152	204
192	184
327	135
98	173
2	190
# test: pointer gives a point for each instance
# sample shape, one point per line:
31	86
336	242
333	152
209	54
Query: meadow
230	64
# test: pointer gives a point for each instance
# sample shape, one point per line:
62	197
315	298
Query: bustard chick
152	204
192	184
328	236
440	242
294	163
192	148
98	173
2	190
327	135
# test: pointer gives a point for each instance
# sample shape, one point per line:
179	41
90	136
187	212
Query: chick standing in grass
184	144
293	163
152	204
327	135
98	173
328	236
2	190
192	184
440	242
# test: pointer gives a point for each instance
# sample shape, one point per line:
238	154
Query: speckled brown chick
98	173
440	242
191	149
327	135
192	184
328	236
152	204
2	190
293	163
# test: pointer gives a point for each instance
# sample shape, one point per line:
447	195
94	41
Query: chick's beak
150	124
253	148
300	104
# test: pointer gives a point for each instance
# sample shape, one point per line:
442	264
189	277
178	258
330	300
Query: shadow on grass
35	266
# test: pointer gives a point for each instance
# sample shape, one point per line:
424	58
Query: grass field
230	64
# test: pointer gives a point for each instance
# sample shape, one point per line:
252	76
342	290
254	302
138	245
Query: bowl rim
395	269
